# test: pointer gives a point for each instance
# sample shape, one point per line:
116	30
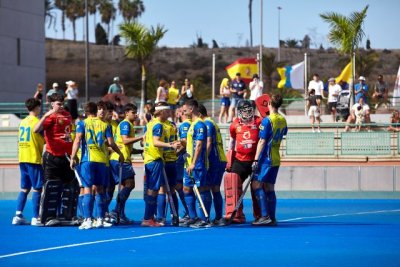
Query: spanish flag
247	67
345	75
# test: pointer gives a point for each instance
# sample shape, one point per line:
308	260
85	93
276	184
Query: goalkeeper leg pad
233	191
50	200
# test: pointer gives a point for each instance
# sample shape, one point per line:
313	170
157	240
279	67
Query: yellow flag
345	75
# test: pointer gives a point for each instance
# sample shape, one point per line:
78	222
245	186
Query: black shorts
57	168
318	97
243	168
332	105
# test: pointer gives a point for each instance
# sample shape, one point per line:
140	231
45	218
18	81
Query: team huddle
74	181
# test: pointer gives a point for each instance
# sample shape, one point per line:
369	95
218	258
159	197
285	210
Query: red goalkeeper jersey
246	136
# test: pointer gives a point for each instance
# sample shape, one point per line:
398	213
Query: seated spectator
380	92
313	109
395	120
359	114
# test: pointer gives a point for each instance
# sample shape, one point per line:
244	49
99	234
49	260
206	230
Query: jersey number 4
25	135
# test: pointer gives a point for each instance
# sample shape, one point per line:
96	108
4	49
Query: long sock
176	204
271	204
161	202
207	200
110	195
183	201
80	206
218	202
91	206
36	203
100	199
21	201
122	198
191	204
261	199
150	207
86	205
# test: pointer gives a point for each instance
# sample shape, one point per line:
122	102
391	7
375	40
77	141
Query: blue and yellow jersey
152	153
182	133
95	133
272	130
30	144
197	132
217	153
124	128
114	125
171	135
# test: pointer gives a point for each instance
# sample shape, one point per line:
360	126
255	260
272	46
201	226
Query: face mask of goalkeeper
246	114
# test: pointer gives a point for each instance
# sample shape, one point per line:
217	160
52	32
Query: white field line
339	214
97	242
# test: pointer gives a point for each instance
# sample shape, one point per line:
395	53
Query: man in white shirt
360	114
318	86
256	87
334	90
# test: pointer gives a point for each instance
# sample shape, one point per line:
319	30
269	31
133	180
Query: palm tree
107	12
251	22
62	5
49	13
346	32
75	9
141	43
131	9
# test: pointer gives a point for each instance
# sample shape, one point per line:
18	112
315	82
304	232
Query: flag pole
353	76
305	74
213	85
261	40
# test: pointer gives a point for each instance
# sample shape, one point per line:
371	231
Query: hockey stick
75	171
197	193
240	200
175	218
118	196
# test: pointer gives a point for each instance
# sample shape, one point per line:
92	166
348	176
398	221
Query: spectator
162	92
395	122
344	85
237	88
256	87
187	92
361	90
38	95
54	90
225	100
72	99
318	87
147	113
333	90
380	92
360	114
313	110
116	87
173	98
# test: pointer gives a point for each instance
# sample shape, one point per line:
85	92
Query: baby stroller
343	105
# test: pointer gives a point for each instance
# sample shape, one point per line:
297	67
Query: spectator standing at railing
359	110
162	92
361	90
187	92
313	110
72	98
173	98
318	87
395	121
54	90
380	92
225	100
238	89
333	90
38	94
116	87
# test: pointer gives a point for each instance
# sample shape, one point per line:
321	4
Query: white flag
396	91
292	76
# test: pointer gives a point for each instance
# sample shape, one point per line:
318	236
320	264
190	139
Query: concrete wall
21	66
293	182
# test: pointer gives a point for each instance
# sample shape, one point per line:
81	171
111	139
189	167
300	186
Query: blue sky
227	21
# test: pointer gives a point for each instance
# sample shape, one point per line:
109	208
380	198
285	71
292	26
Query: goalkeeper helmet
245	110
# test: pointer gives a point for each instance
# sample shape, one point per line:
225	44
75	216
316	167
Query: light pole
87	82
261	42
279	33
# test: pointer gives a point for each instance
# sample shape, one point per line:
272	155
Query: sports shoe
219	222
87	224
19	220
161	221
188	222
262	221
200	224
36	222
319	130
125	220
100	223
183	219
150	223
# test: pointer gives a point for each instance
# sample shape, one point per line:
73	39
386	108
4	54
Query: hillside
65	60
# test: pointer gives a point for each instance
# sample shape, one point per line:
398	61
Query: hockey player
267	161
30	163
217	164
242	149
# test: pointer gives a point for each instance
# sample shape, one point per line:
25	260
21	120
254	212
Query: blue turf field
310	233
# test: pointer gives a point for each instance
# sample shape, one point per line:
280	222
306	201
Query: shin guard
233	191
